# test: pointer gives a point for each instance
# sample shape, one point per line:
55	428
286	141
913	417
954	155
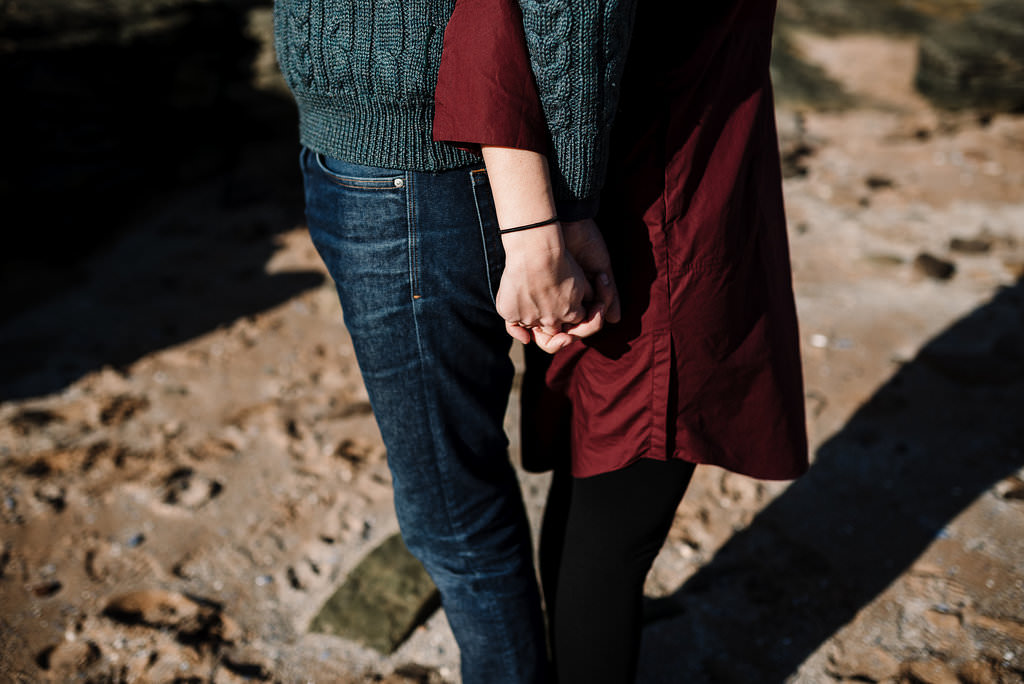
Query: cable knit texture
363	74
577	51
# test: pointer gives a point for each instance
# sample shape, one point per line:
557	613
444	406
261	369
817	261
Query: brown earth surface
189	466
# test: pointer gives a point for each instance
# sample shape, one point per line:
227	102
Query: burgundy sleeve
486	92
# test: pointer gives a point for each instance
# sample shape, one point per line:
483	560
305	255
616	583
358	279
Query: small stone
882	259
934	267
970	245
383	599
944	629
1015	266
877	182
46	589
978	672
931	672
863	662
1012	488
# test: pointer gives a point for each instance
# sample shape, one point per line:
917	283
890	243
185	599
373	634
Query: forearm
520	184
522	194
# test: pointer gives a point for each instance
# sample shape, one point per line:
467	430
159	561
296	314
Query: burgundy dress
705	364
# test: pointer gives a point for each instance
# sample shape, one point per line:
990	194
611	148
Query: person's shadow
939	434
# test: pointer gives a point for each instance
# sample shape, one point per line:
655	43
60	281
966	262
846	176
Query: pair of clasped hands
558	283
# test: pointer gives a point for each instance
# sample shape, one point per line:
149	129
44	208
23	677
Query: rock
934	267
970	245
945	630
844	16
413	673
976	62
800	83
1011	489
98	81
1011	629
978	672
883	259
931	672
1014	266
383	599
879	182
860	661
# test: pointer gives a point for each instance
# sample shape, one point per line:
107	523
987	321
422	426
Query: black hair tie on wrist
553	219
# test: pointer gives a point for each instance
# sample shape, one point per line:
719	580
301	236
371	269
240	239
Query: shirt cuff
578	209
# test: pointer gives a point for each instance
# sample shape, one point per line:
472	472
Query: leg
615	526
552	539
414	264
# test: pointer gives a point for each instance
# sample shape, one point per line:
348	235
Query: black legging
599	538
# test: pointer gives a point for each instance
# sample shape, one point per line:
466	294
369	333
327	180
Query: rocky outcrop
112	103
977	62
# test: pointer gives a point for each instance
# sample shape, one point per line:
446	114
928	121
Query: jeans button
399	182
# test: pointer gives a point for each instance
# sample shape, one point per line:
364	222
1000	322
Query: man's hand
584	241
542	289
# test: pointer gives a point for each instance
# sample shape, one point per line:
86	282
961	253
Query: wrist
535	246
515	229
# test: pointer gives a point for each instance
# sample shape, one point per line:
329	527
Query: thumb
608	295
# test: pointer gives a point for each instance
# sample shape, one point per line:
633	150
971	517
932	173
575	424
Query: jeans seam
413	237
435	462
483	239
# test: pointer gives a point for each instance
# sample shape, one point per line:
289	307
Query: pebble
978	672
862	662
933	267
931	672
970	245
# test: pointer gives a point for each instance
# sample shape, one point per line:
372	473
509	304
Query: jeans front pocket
358	222
494	252
358	176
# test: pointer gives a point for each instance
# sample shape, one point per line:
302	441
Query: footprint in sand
120	408
185	487
318	566
69	660
193	620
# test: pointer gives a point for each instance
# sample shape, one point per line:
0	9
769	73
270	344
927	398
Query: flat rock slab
384	598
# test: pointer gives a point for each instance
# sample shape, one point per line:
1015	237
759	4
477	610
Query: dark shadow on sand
145	180
939	434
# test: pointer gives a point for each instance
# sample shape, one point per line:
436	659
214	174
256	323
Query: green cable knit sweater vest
363	74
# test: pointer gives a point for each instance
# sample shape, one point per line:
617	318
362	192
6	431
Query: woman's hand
586	245
554	287
543	290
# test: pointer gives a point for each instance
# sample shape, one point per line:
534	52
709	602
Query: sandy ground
189	465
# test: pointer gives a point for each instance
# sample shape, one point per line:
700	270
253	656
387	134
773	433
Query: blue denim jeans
416	258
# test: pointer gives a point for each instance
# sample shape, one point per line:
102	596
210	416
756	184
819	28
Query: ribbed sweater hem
394	136
579	168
